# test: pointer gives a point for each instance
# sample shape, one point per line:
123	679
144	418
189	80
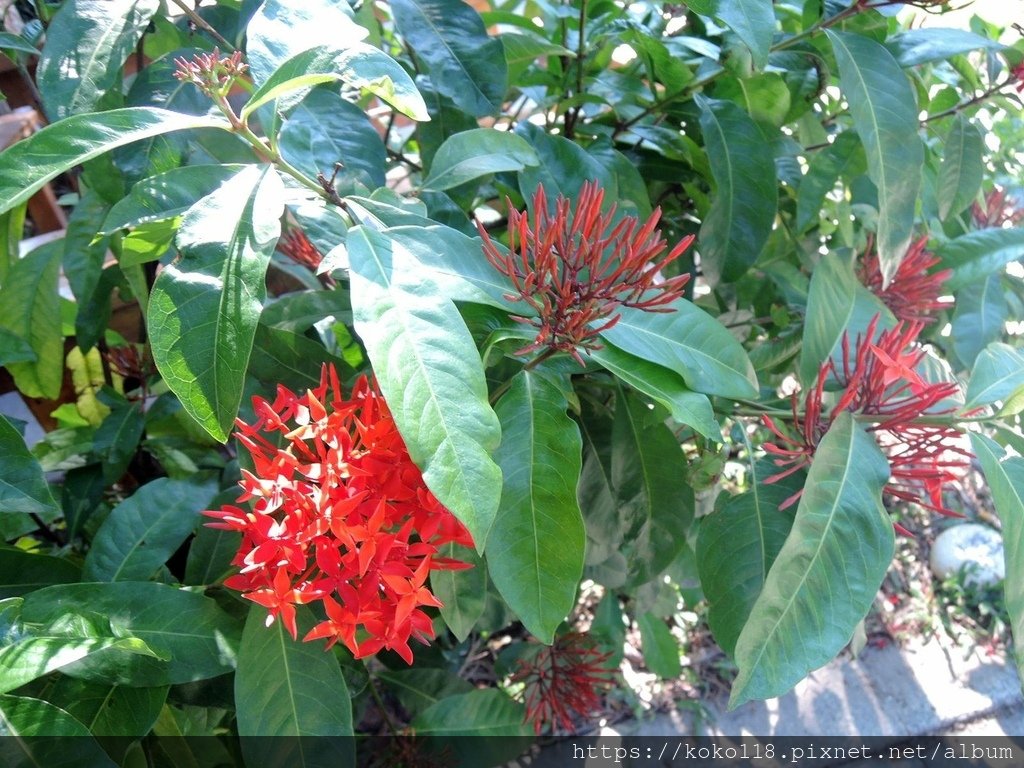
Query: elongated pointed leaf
25	718
87	42
1005	478
9	42
471	154
884	110
689	342
109	710
477	713
997	374
535	550
963	167
828	571
843	156
23	488
431	375
287	688
979	318
746	193
22	572
661	650
753	21
919	46
204	308
463	592
420	688
29	164
976	255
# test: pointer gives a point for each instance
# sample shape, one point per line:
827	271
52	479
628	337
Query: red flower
879	381
576	271
913	294
562	679
1017	73
999	208
339	514
297	247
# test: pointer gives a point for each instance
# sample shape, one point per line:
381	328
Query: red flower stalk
562	679
340	514
879	380
576	270
913	294
999	208
297	247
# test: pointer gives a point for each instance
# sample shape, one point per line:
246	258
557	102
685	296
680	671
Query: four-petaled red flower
912	294
575	270
879	380
562	679
339	514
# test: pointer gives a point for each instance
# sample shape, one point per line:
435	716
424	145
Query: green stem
200	22
501	390
380	705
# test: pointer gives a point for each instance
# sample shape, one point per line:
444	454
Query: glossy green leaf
205	307
25	717
564	166
87	42
753	21
199	639
1005	477
147	242
744	203
291	359
450	41
736	546
690	342
358	65
487	712
32	314
837	303
287	688
211	551
920	46
325	129
22	572
23	488
843	157
9	42
480	152
84	251
29	164
884	109
535	550
661	649
419	688
979	318
301	310
997	374
166	195
431	376
828	571
463	592
117	438
648	474
596	494
666	387
976	255
963	167
144	530
108	710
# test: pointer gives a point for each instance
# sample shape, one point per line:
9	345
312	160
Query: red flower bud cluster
999	207
340	514
298	247
211	72
562	679
913	294
879	380
575	270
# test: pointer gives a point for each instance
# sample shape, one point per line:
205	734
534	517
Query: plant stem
501	390
380	705
200	22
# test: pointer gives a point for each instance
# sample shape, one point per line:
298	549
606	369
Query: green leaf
117	438
920	46
22	572
358	65
32	314
87	42
979	318
564	166
463	592
736	546
661	651
1005	476
488	712
431	376
84	251
451	43
325	129
28	165
166	195
535	550
144	530
976	255
837	303
204	308
23	488
997	374
828	571
23	717
479	152
884	110
666	387
9	42
287	688
297	312
420	688
690	342
648	472
198	637
283	357
753	21
843	157
108	710
963	167
210	553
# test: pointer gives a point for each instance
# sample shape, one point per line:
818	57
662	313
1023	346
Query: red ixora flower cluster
1000	208
562	679
879	381
913	294
340	514
575	270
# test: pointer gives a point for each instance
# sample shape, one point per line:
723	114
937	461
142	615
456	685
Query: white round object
969	543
